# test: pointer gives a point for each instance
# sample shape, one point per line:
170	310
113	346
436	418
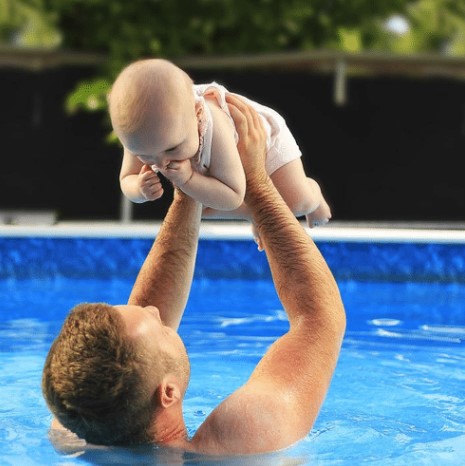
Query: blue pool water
397	397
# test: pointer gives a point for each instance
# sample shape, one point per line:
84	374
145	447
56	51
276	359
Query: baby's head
153	110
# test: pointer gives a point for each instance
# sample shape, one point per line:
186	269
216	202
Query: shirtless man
118	374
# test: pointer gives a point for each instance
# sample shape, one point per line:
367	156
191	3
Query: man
118	374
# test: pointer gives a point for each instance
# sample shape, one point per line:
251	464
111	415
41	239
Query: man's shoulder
243	423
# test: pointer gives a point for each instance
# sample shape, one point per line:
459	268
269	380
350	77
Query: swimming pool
397	396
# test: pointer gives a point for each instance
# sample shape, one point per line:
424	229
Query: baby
168	125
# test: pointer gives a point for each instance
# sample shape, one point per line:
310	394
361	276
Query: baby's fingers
146	169
149	175
152	189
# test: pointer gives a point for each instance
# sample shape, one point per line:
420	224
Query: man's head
154	113
106	374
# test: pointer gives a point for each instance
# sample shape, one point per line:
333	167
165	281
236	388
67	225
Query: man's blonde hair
94	379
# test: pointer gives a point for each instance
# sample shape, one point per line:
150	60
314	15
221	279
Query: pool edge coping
220	230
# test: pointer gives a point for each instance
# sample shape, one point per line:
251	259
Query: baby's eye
172	149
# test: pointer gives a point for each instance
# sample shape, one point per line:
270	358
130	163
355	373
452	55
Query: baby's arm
138	182
224	186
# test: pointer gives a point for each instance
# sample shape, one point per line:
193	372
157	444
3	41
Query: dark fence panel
392	152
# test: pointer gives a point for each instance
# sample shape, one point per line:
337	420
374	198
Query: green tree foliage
125	30
26	23
436	25
129	29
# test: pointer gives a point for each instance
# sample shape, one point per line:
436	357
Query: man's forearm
301	275
302	278
165	278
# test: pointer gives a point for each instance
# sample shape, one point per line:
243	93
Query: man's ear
168	393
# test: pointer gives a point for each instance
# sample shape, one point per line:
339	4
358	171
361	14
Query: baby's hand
149	184
179	172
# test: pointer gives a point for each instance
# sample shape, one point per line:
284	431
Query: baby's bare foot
256	238
320	216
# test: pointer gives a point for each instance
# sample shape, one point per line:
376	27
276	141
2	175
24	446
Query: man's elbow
342	323
333	311
331	319
339	321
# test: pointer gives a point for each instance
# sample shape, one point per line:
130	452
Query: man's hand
252	138
149	184
251	147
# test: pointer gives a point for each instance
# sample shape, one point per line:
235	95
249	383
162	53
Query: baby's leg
242	213
301	193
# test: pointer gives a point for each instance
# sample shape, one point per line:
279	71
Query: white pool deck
419	232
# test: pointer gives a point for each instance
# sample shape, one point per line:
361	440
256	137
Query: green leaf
89	95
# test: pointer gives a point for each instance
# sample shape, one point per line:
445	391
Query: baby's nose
148	160
162	162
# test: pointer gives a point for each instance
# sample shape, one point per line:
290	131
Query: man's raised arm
303	280
165	278
299	365
280	402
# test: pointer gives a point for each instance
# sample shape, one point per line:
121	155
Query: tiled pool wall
74	257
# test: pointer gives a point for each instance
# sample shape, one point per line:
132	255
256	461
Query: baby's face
167	136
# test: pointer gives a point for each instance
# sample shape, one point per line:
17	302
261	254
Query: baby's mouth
156	168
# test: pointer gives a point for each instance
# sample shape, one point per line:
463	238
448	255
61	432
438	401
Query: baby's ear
198	106
199	109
